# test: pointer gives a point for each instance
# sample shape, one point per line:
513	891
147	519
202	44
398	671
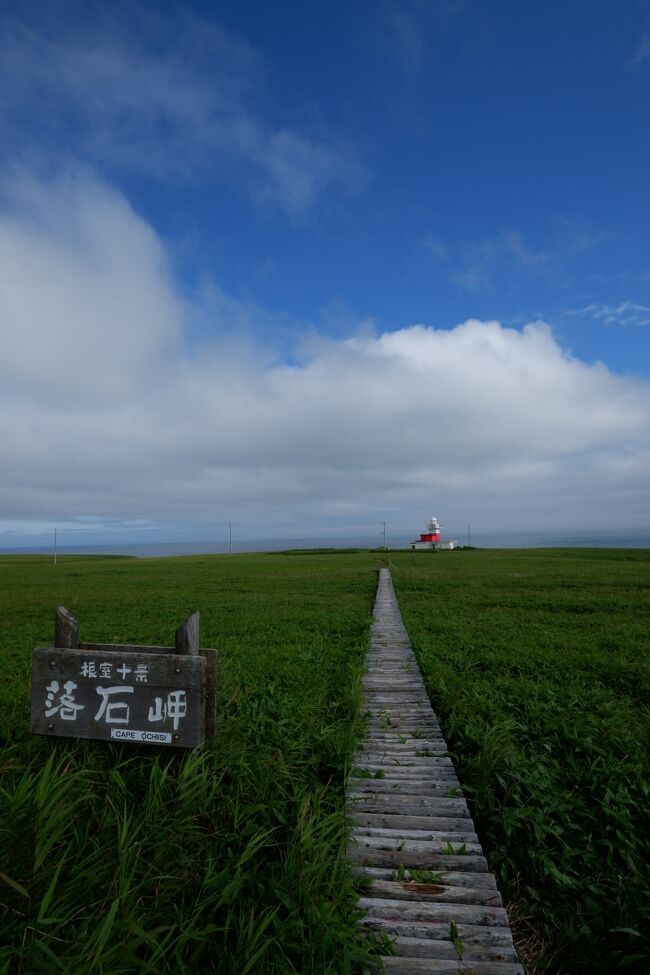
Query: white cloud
410	32
437	247
407	39
477	262
83	284
486	263
642	52
172	98
106	412
627	314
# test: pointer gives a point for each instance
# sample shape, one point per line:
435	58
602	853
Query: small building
430	539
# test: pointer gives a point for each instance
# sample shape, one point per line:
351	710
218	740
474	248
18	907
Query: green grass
537	663
119	859
133	859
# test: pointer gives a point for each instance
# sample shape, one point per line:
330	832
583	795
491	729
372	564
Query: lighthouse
432	534
431	537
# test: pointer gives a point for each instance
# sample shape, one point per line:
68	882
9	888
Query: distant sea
522	539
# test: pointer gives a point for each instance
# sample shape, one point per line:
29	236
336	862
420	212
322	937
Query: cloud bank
108	412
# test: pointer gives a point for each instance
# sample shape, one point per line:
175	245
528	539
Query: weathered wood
397	802
406	845
66	629
428	948
421	860
126	693
388	784
210	692
435	913
404	757
100	648
411	890
497	935
446	826
187	635
416	966
452	878
391	750
412	835
403	832
415	773
402	760
125	696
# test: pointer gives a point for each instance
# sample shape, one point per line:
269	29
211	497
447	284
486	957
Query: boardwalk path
429	885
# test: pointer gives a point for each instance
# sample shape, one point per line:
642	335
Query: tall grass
538	664
118	859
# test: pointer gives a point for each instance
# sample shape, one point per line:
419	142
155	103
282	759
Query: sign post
140	694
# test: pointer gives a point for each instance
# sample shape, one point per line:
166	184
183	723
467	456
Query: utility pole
384	531
230	536
55	546
469	537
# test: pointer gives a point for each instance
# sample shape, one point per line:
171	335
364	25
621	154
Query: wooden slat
398	909
416	966
427	948
395	859
451	878
482	935
66	630
399	841
444	828
434	892
187	635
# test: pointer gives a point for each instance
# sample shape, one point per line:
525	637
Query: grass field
538	665
117	859
121	859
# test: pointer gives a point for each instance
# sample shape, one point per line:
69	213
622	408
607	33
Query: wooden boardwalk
429	887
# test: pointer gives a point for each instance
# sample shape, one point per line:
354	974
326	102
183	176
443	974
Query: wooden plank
402	760
388	784
124	648
445	825
428	948
66	629
379	750
398	833
411	805
440	930
452	878
396	840
403	745
434	892
187	635
210	692
403	830
406	774
421	860
415	966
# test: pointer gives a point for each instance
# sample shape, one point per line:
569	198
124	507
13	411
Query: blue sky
332	262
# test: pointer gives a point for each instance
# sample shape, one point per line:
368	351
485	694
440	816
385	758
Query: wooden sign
112	692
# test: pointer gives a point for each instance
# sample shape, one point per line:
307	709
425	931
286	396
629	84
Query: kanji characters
111	709
66	707
174	707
